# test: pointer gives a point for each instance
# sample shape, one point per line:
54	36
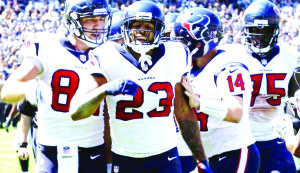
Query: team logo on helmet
193	28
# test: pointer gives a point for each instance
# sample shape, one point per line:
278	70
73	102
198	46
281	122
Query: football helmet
143	11
297	75
261	26
117	21
75	10
198	25
170	19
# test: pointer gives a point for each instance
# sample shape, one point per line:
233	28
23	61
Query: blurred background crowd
20	18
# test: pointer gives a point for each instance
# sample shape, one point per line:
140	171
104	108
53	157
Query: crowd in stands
19	19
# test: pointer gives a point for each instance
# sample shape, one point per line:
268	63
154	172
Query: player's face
142	32
91	25
262	39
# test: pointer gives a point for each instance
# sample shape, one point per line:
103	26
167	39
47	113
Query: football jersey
297	101
143	125
270	78
62	72
225	75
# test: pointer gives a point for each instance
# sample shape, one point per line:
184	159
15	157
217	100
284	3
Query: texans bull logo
194	28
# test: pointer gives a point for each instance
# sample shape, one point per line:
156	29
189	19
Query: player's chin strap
145	60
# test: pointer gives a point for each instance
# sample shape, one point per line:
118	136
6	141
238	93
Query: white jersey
61	74
224	75
297	100
143	126
270	78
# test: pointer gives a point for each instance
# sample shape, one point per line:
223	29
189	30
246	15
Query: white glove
23	153
282	127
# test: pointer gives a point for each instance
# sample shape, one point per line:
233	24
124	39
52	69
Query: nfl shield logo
82	58
264	62
66	149
116	169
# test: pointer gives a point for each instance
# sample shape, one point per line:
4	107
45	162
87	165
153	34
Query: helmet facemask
261	39
131	35
90	37
141	40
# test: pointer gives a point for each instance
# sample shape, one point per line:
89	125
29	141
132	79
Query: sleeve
233	79
30	51
33	93
96	70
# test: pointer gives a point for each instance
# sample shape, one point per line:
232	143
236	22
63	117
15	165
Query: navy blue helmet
143	11
115	29
75	10
170	19
261	26
196	25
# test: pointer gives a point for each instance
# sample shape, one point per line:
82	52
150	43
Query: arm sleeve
96	69
30	51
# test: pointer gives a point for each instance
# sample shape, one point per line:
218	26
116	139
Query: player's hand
282	127
203	167
23	153
193	99
121	86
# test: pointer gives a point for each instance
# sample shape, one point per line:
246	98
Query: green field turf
8	157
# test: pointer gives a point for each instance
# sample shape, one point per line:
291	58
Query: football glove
121	86
282	127
23	152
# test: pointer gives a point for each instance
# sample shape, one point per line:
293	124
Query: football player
170	19
187	161
115	29
292	141
61	63
219	90
27	124
271	67
143	130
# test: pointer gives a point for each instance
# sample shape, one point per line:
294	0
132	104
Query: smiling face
142	32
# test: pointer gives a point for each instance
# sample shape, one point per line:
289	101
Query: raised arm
15	86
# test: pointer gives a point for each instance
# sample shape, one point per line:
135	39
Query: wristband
108	167
214	108
23	145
